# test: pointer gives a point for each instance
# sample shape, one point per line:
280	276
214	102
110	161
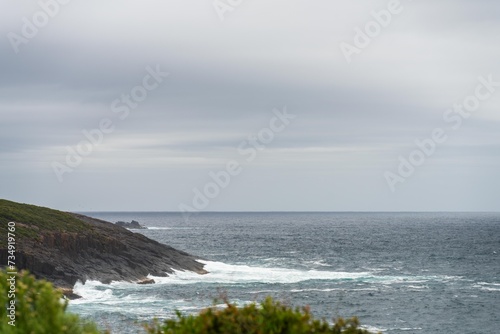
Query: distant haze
200	87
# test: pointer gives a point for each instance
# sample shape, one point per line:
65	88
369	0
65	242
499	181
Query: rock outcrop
132	225
146	281
95	250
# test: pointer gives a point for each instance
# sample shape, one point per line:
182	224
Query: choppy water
398	272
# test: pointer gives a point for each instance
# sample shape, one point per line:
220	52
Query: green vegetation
39	309
30	218
269	317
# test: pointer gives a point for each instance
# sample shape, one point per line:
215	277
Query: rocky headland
64	247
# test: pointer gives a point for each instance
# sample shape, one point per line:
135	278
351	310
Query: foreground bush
39	308
269	317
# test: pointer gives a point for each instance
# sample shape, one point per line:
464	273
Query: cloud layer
225	78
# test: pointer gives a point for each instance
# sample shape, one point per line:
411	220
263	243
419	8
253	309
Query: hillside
65	247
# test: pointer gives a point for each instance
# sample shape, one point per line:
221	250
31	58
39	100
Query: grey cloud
226	77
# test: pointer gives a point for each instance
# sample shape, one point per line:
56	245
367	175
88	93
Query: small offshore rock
132	225
69	294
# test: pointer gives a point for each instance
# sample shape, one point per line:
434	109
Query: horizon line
279	211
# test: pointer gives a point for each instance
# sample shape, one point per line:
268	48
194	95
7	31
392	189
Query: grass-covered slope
31	218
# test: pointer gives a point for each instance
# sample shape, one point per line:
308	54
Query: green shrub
39	308
269	317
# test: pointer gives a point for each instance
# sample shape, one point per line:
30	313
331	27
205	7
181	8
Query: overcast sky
352	119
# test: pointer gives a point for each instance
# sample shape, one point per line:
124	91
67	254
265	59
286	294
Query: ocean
397	272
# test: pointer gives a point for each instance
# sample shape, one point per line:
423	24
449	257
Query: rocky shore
66	247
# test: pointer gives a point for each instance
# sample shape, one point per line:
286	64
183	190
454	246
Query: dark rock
69	294
132	225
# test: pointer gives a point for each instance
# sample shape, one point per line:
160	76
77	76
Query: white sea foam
333	289
487	286
223	273
318	263
409	279
489	289
117	293
92	291
114	294
410	329
484	283
97	297
262	291
320	290
418	287
373	329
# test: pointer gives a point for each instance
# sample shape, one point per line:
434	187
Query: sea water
397	272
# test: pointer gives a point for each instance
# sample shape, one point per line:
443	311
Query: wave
418	287
490	289
373	329
92	291
487	286
108	294
314	289
485	283
222	273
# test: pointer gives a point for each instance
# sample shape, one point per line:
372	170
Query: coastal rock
64	248
146	281
69	294
132	225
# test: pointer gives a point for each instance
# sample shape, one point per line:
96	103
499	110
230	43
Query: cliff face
91	249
